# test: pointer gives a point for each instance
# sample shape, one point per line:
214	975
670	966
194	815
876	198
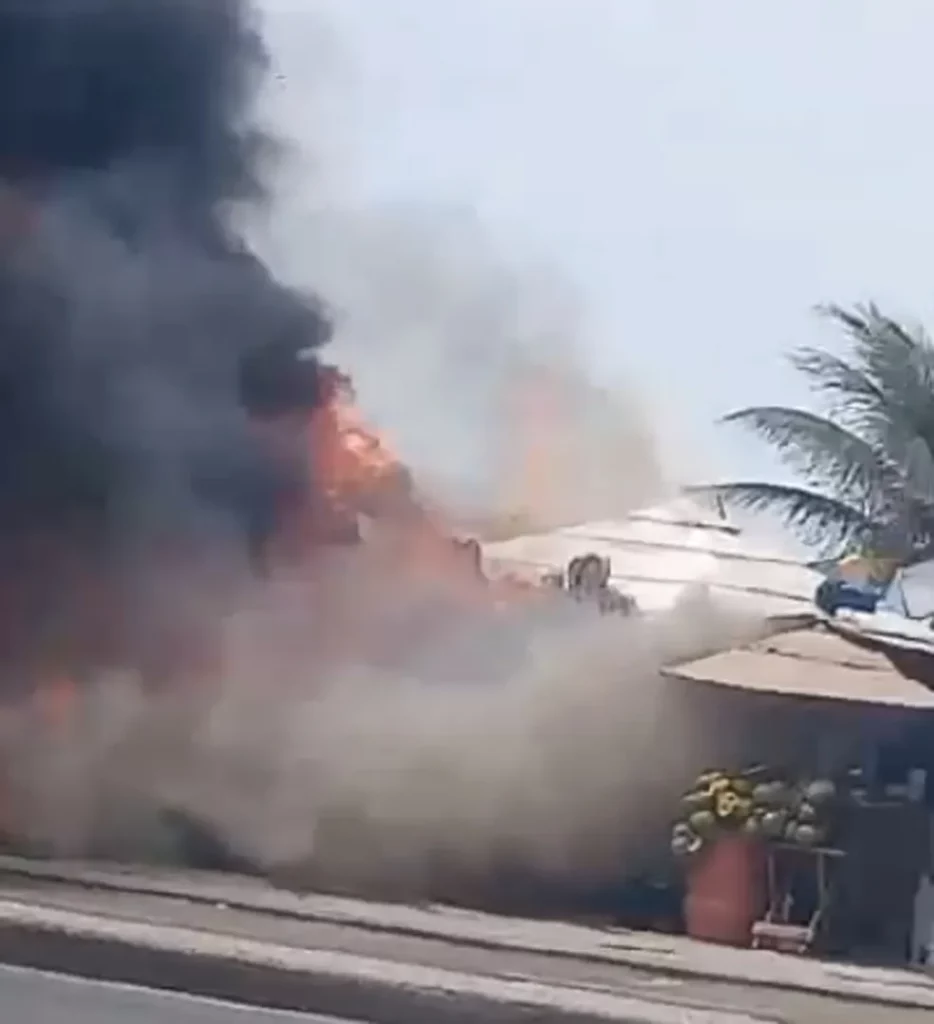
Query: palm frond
847	387
818	519
820	451
866	463
873	333
898	360
886	393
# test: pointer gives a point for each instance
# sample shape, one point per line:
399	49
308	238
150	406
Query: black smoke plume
138	331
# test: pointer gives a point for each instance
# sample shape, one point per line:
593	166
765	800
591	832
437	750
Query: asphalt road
31	997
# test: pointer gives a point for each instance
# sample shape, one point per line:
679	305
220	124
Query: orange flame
538	463
351	462
361	476
360	472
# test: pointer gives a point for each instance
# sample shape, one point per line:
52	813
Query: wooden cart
786	865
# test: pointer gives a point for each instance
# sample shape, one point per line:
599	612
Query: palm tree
866	460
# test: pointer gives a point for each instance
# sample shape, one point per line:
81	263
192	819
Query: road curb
899	997
312	981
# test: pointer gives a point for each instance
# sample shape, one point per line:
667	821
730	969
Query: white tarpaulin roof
887	629
814	662
660	553
912	591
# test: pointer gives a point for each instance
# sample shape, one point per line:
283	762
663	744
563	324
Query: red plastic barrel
726	891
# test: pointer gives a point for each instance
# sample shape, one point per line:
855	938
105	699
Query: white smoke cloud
543	736
443	325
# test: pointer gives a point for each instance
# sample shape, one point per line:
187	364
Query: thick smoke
543	739
371	727
127	306
500	411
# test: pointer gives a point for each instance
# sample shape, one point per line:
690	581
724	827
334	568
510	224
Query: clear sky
705	170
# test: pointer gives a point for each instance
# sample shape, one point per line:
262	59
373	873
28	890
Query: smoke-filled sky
705	172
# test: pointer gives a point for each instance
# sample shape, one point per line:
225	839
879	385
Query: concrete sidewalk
672	956
243	970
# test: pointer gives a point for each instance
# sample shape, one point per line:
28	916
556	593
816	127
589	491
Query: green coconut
820	792
807	835
702	822
807	814
679	846
773	824
752	826
696	802
771	794
685	844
